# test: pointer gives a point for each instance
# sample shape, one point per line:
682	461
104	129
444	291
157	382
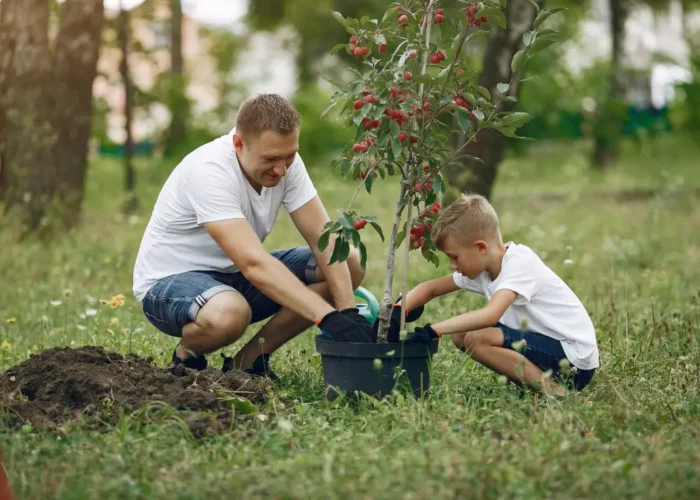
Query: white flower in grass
82	316
91	312
56	303
568	262
285	425
81	327
90	299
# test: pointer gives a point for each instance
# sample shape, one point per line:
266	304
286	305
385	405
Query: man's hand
342	328
354	314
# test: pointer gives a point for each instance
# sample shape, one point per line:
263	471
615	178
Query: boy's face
469	259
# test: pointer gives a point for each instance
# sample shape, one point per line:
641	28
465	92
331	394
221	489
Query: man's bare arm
309	220
265	272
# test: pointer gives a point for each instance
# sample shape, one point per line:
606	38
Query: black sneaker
198	363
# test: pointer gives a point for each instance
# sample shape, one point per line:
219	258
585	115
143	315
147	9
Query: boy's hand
341	328
395	323
424	334
354	314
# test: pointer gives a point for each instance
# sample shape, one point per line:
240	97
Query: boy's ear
482	246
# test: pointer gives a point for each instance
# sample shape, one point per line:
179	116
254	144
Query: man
201	271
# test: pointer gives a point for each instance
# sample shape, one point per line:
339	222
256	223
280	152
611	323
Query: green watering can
370	309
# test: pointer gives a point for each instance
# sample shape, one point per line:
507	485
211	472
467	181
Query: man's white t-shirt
544	301
207	186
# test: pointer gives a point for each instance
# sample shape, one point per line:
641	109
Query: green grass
633	433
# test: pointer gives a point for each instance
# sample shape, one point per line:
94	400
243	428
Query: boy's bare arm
481	318
428	290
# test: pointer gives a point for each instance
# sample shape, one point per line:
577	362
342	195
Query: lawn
633	433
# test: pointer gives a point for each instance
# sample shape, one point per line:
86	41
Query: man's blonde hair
469	218
267	112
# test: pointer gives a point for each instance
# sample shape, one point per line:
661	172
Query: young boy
533	320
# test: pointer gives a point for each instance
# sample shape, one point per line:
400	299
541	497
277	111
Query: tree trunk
27	135
130	175
608	127
179	105
472	176
77	51
45	106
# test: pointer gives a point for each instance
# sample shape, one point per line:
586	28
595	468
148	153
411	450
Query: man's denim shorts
546	353
173	302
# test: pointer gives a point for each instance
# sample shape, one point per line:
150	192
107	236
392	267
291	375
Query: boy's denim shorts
546	353
173	302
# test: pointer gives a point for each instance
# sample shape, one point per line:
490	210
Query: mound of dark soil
61	386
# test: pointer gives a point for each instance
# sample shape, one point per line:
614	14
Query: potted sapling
413	93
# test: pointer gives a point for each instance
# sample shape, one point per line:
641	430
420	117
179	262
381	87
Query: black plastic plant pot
352	369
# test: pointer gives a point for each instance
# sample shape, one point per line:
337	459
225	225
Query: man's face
266	158
469	259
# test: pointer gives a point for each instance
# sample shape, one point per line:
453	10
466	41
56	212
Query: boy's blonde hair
469	218
267	112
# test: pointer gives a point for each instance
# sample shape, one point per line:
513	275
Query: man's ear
238	143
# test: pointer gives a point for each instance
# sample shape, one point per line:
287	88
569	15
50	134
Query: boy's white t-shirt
207	186
544	301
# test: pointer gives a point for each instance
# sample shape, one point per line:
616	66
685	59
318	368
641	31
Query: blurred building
656	52
150	28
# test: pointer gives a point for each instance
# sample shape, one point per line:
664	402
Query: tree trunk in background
130	175
179	105
475	177
608	127
45	106
76	53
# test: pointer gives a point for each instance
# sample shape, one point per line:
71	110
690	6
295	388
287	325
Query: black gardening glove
342	328
395	323
422	334
354	314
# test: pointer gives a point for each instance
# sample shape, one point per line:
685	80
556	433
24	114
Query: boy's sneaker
198	363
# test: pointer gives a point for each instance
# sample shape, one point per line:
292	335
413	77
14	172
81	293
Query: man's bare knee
226	314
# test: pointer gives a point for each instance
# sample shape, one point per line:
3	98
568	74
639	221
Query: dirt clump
61	386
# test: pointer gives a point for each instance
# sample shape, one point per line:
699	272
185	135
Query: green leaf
519	61
355	234
529	37
396	146
364	20
470	98
390	12
479	115
339	47
323	241
494	13
443	73
515	120
510	132
327	110
463	119
400	237
546	32
539	45
377	228
483	91
504	3
363	256
336	251
537	7
369	182
502	88
346	221
243	406
339	17
476	34
344	251
426	78
434	257
543	15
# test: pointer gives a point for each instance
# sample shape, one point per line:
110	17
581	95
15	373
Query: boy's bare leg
486	347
